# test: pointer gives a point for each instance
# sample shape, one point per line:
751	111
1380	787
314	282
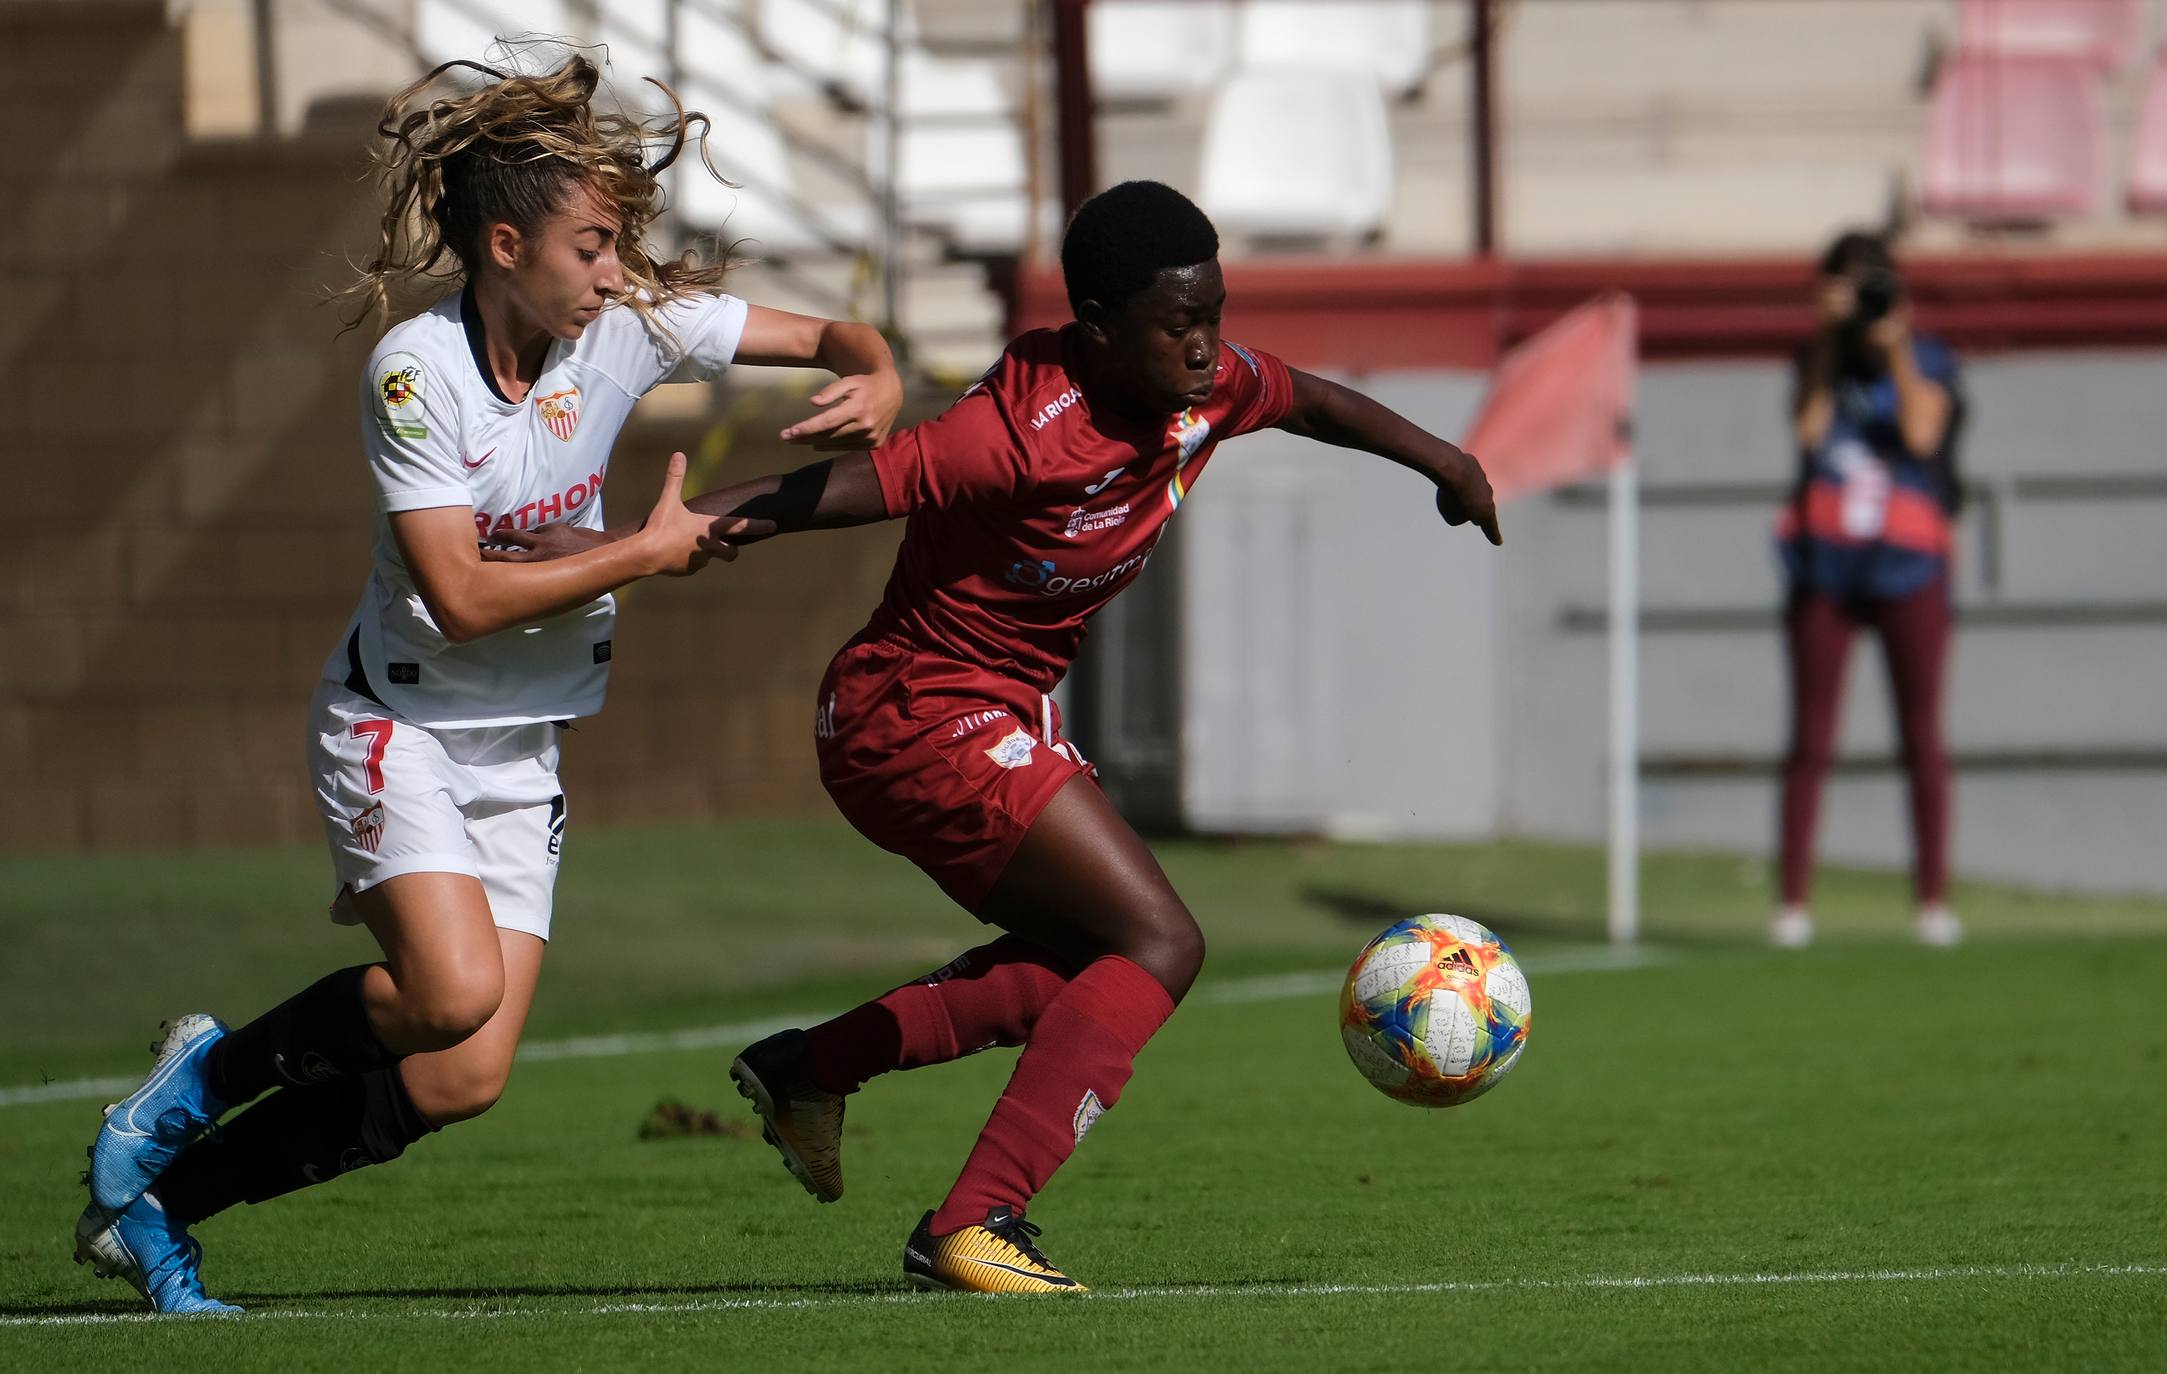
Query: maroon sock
988	996
1078	1058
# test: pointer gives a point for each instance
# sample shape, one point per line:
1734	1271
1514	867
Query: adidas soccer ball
1435	1011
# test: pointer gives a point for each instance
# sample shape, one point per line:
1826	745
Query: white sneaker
1792	928
1937	925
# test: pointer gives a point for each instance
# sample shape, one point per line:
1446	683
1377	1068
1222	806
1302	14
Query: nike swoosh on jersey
477	462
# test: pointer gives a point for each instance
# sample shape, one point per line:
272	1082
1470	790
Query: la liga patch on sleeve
400	384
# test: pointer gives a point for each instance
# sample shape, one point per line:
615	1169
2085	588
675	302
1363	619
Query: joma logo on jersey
560	412
1048	412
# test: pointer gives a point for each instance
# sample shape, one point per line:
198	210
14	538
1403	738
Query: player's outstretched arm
857	409
832	494
469	597
1334	414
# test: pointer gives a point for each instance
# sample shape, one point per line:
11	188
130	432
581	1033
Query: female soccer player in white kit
433	735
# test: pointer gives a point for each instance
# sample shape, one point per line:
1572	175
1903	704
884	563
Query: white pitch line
735	1036
69	1090
1592	1283
1268	988
1310	982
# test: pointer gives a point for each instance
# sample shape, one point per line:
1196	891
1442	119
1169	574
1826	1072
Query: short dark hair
1857	249
1123	237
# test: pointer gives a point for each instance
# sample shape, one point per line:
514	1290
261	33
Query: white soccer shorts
401	798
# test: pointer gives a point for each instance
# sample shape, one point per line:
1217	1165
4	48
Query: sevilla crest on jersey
560	411
369	827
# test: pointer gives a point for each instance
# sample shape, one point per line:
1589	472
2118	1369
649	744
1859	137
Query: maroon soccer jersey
1029	508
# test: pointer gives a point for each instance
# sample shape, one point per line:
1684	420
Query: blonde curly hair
508	151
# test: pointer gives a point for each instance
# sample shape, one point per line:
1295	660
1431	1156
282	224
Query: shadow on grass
272	1300
1376	908
72	1309
781	1292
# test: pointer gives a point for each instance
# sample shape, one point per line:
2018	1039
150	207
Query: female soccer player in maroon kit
1031	502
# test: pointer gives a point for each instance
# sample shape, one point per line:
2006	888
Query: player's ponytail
507	151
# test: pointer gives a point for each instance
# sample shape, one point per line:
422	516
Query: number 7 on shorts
379	733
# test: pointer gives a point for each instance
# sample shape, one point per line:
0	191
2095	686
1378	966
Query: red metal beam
1363	315
1482	47
1075	127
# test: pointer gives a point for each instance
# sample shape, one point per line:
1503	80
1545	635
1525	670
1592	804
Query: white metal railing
934	126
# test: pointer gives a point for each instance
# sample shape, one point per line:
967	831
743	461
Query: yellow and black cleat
997	1257
802	1121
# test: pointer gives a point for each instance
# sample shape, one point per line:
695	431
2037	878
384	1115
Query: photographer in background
1866	541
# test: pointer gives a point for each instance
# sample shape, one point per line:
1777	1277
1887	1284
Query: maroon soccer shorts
941	762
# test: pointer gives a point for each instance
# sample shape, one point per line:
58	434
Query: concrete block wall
2019	682
192	519
1350	666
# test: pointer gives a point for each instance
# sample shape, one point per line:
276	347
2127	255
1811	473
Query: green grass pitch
1713	1156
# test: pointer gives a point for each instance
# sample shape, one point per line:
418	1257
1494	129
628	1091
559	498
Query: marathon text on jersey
543	511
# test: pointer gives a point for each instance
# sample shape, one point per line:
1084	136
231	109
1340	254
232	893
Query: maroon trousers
1914	632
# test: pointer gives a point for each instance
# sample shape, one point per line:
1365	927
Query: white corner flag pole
1624	622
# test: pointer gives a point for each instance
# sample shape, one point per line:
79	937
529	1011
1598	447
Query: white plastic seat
838	43
2102	33
2012	139
2148	163
960	161
990	228
635	39
1144	50
445	30
1298	155
1389	38
719	73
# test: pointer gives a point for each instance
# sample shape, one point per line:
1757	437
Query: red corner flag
1561	404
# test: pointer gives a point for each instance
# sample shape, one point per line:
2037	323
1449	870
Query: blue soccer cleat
145	1247
170	1112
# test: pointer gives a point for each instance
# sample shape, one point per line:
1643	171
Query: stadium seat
717	72
2100	32
2015	139
839	44
1592	59
469	29
2148	165
1151	51
1298	155
724	79
635	39
960	160
1389	38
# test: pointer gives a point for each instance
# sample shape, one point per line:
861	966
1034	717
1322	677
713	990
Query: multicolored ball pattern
1435	1011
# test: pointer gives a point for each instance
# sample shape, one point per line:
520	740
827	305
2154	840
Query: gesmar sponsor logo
1043	577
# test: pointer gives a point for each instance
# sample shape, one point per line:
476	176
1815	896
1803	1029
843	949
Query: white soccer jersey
437	433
